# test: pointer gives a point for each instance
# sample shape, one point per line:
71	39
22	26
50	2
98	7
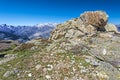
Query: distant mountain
24	33
118	27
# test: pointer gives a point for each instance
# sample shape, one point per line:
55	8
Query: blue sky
31	12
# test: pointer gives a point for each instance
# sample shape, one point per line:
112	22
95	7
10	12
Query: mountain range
118	27
24	33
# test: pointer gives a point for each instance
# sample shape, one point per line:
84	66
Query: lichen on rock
96	18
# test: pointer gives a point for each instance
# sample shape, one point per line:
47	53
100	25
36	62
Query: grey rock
111	27
112	72
8	73
8	58
107	49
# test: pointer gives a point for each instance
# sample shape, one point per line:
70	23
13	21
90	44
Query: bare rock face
95	18
77	31
92	35
111	28
87	23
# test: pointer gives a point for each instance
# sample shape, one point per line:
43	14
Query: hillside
84	48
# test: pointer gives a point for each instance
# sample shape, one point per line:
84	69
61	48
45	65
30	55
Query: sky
31	12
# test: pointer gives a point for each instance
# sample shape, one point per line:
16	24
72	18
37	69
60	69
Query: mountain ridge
26	32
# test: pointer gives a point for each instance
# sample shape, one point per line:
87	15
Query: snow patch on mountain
46	24
26	32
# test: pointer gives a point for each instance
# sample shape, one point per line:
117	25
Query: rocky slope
84	48
91	34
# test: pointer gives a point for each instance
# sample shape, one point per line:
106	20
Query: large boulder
96	18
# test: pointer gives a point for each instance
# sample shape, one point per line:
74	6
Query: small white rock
29	75
87	60
66	78
80	63
37	67
72	61
119	69
83	71
18	74
50	67
74	69
51	54
104	51
48	76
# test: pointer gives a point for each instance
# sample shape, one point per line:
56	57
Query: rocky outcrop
97	19
90	34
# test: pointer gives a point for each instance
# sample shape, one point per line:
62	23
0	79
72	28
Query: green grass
25	59
17	62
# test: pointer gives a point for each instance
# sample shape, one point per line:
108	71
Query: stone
96	18
47	76
37	67
12	72
29	75
111	28
49	67
7	58
7	73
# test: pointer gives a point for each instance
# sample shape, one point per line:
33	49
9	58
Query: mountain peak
46	24
4	25
24	33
